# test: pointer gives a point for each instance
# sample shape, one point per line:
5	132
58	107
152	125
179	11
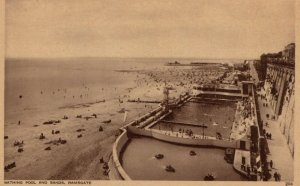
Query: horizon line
137	57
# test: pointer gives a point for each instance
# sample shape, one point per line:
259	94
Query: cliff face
279	89
286	119
277	70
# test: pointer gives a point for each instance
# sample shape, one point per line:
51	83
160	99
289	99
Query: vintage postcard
99	91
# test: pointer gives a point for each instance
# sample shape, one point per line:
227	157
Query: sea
37	84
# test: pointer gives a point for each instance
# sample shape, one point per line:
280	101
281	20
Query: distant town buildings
285	57
288	53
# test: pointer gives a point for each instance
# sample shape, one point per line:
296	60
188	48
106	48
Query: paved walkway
283	162
253	72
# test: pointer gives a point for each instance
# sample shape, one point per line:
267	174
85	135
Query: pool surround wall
118	146
188	141
123	139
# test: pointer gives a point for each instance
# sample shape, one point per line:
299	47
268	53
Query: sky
148	28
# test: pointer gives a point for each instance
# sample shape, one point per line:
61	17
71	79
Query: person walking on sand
271	164
260	175
275	176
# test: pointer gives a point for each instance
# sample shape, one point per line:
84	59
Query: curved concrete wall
123	139
117	149
148	118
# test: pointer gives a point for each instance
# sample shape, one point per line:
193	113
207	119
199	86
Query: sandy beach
95	104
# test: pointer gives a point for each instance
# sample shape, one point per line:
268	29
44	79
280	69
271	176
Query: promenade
253	72
279	151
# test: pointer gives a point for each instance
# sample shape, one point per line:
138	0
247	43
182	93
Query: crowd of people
243	118
248	169
184	77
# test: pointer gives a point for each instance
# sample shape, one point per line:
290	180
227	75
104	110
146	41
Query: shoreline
79	157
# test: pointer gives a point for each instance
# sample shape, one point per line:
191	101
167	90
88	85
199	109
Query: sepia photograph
149	90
